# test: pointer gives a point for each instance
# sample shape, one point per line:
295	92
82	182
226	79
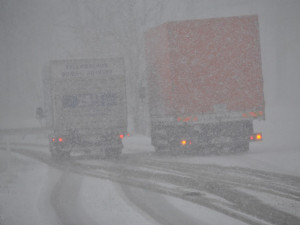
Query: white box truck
87	106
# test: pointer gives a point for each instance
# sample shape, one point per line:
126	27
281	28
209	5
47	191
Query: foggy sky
32	32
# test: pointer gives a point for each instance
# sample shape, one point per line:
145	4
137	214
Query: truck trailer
87	106
205	84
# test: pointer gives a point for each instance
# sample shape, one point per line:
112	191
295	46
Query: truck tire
112	153
240	147
161	149
58	154
244	147
159	138
116	153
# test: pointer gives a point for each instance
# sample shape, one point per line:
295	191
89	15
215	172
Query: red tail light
53	139
60	139
121	136
251	137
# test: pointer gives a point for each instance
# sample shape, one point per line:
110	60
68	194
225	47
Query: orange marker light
183	142
258	137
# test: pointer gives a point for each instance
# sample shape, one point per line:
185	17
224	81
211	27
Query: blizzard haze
33	32
42	183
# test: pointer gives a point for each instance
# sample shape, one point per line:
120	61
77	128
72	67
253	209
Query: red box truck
205	83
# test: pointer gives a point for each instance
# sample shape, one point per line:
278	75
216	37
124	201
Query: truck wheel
161	149
116	153
160	144
240	147
244	147
159	138
112	153
57	154
176	150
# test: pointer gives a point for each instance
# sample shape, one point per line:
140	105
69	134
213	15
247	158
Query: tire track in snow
64	199
194	183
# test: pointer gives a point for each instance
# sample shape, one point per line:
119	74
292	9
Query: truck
87	106
205	84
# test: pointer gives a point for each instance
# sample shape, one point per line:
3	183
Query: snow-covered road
34	193
143	188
